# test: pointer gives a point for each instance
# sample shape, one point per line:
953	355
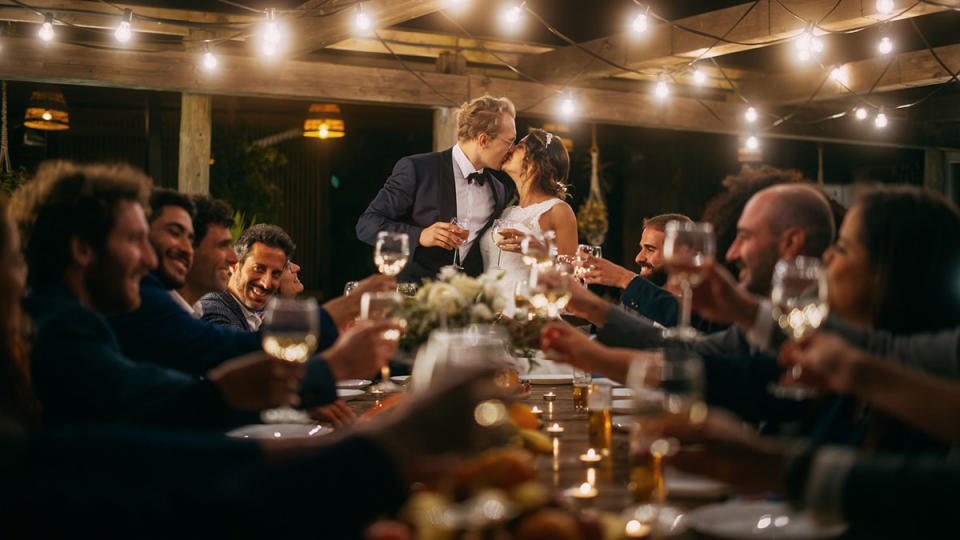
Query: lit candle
584	491
635	529
556	429
591	456
536	410
550	396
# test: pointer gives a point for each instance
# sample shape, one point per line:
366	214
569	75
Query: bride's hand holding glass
510	239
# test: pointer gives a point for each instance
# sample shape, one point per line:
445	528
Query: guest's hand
724	448
362	350
564	343
583	303
510	240
443	234
720	298
344	309
827	361
258	381
603	272
337	413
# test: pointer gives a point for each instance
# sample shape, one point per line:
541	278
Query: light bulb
884	7
362	21
209	61
661	90
860	113
511	16
808	45
271	35
46	115
880	121
750	115
568	106
640	23
885	46
840	75
456	5
123	32
699	76
46	29
751	143
324	131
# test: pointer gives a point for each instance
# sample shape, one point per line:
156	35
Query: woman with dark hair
896	263
539	165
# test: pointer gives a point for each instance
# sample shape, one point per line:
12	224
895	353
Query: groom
426	191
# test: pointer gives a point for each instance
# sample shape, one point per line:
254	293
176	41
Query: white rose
468	286
447	273
481	312
446	299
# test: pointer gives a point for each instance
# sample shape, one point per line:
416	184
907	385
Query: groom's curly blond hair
483	115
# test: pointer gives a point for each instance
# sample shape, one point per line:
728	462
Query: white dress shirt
475	203
195	311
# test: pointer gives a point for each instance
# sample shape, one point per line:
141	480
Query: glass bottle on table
798	298
378	306
391	252
687	249
289	331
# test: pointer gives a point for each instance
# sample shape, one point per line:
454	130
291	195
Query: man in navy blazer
426	191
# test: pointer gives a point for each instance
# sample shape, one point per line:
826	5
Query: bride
539	165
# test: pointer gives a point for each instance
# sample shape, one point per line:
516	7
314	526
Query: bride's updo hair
546	160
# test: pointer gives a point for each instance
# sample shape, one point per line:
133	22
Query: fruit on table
501	468
536	441
521	416
548	524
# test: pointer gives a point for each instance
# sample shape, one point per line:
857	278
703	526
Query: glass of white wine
378	306
550	289
290	329
495	234
391	252
581	266
798	296
687	249
539	250
462	223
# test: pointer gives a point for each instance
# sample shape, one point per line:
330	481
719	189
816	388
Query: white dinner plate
691	486
548	378
742	519
623	406
279	431
400	379
354	383
622	423
347	393
621	393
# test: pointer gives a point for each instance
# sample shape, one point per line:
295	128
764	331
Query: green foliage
246	175
11	180
241	223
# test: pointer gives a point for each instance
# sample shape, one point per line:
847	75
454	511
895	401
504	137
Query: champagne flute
687	249
457	260
290	328
495	228
798	296
376	306
391	252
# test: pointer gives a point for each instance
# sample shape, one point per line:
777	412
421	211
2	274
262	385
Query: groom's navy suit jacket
420	192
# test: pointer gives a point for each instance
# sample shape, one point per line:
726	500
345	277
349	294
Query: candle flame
585	488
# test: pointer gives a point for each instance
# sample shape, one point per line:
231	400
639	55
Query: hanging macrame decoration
592	216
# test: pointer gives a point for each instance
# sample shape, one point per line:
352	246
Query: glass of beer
687	249
581	387
600	420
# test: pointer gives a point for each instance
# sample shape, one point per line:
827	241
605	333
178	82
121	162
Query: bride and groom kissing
426	192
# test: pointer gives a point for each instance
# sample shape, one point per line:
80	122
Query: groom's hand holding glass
443	234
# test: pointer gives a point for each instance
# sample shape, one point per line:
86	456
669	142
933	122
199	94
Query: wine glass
457	260
523	309
667	386
449	352
377	306
550	289
798	296
539	250
349	287
580	266
290	328
391	252
495	228
687	249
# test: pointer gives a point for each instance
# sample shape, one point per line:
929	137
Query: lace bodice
523	219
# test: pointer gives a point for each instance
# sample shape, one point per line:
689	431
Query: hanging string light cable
414	73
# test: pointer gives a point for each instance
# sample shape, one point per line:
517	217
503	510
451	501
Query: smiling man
171	235
213	254
262	253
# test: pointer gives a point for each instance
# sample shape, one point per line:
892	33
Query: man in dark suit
262	254
426	191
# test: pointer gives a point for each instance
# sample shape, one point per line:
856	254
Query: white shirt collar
253	320
463	162
195	311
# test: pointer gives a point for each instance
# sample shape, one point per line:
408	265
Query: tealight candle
536	410
556	429
550	396
591	456
584	491
636	529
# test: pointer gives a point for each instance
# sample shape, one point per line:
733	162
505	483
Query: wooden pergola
611	76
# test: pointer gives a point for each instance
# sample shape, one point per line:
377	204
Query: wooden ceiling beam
906	70
663	45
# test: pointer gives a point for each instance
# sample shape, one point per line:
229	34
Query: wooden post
444	128
195	127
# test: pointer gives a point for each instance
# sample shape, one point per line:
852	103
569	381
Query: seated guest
212	253
262	254
290	285
85	237
649	258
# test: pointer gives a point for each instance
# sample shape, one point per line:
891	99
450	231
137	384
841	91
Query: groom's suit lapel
447	207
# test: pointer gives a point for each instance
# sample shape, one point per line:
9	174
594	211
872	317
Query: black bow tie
477	177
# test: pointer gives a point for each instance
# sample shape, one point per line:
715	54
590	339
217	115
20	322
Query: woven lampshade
324	122
47	110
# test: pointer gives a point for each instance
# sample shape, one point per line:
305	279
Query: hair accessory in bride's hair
549	139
